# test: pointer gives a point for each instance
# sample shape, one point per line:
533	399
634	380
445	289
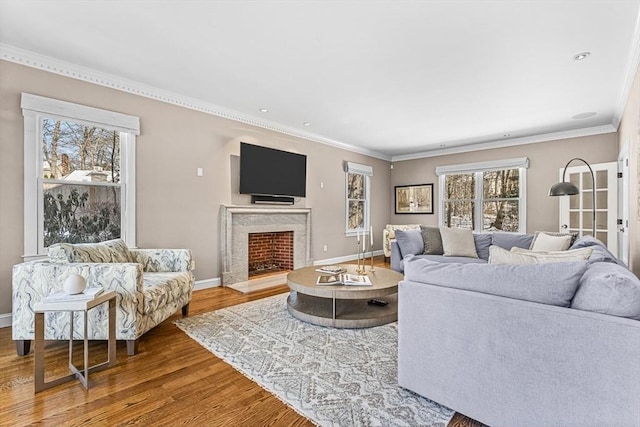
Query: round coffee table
342	306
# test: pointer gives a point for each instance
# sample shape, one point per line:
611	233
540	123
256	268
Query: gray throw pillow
483	242
609	289
458	242
551	283
410	242
508	240
432	240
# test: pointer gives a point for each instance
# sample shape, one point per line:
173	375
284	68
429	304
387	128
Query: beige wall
175	207
629	132
545	160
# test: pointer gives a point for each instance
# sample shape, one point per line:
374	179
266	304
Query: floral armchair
150	285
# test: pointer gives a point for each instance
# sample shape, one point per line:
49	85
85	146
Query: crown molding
67	69
554	136
630	73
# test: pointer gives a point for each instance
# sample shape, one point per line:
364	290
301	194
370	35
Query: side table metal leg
38	348
86	350
112	332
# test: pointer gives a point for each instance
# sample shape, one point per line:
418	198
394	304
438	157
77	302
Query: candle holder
372	269
361	269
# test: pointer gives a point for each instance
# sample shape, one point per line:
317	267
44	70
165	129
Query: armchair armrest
163	260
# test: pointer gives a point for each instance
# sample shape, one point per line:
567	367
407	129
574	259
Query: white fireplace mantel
236	222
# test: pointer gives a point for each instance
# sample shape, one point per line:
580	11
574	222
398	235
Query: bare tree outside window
81	182
356	198
499	200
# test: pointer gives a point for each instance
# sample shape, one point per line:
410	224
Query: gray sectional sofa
554	344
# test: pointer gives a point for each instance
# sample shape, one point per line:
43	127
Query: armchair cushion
109	251
163	288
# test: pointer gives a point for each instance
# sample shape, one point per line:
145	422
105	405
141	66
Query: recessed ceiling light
584	115
264	110
581	56
443	145
306	124
506	135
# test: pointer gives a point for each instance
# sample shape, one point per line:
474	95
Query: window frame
34	110
478	168
366	172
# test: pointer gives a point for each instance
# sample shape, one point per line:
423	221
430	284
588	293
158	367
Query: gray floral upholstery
150	285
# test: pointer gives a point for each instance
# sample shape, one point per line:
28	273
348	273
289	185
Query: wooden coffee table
342	306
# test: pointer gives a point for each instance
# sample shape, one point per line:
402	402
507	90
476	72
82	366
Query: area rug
333	377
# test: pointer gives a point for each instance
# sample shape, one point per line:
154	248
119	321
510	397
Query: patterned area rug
334	377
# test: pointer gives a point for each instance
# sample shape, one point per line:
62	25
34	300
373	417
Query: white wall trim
633	62
56	66
5	320
554	136
518	162
207	283
338	260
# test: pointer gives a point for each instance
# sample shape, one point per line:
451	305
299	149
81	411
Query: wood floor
171	381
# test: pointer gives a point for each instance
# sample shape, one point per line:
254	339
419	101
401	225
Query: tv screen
271	172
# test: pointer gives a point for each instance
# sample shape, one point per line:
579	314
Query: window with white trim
79	177
485	196
357	183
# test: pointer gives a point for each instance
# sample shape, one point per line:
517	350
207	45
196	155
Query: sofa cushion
497	255
160	289
536	235
508	240
600	252
115	250
551	283
458	242
482	242
410	242
609	289
451	259
432	240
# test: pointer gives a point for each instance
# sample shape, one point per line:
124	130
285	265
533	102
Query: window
357	197
484	196
79	174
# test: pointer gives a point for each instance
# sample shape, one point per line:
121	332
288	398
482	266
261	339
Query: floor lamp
569	189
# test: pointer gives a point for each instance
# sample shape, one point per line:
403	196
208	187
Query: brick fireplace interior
270	252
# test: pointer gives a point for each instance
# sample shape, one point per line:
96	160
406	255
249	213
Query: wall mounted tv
270	172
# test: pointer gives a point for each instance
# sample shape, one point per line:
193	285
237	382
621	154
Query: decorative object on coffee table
74	284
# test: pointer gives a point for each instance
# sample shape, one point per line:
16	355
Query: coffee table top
383	282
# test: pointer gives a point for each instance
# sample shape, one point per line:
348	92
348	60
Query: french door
576	212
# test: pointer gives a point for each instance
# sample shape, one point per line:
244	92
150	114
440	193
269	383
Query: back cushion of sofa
410	242
600	252
552	283
482	242
609	288
508	240
432	240
108	251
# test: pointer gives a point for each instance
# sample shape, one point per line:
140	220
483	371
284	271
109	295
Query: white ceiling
395	79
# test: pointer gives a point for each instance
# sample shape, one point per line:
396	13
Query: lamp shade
563	189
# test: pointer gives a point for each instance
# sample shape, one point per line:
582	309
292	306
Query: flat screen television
270	172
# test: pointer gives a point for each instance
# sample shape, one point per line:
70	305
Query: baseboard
5	320
346	258
206	284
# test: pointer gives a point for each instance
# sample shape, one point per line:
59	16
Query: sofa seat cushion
609	289
161	289
552	283
110	251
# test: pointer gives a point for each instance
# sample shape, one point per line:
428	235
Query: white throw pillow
498	255
458	242
581	254
544	242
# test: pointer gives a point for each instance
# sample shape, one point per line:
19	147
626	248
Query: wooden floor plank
172	380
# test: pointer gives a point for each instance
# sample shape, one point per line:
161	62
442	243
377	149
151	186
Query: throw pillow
410	242
458	242
497	255
109	251
562	241
609	289
508	240
432	240
581	254
552	283
482	242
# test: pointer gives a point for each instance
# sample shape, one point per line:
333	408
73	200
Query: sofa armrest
396	257
164	260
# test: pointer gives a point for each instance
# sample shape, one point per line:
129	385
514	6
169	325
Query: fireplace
237	223
270	253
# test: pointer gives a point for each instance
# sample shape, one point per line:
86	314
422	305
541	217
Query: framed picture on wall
414	199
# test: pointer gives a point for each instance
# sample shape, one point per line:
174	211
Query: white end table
72	306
